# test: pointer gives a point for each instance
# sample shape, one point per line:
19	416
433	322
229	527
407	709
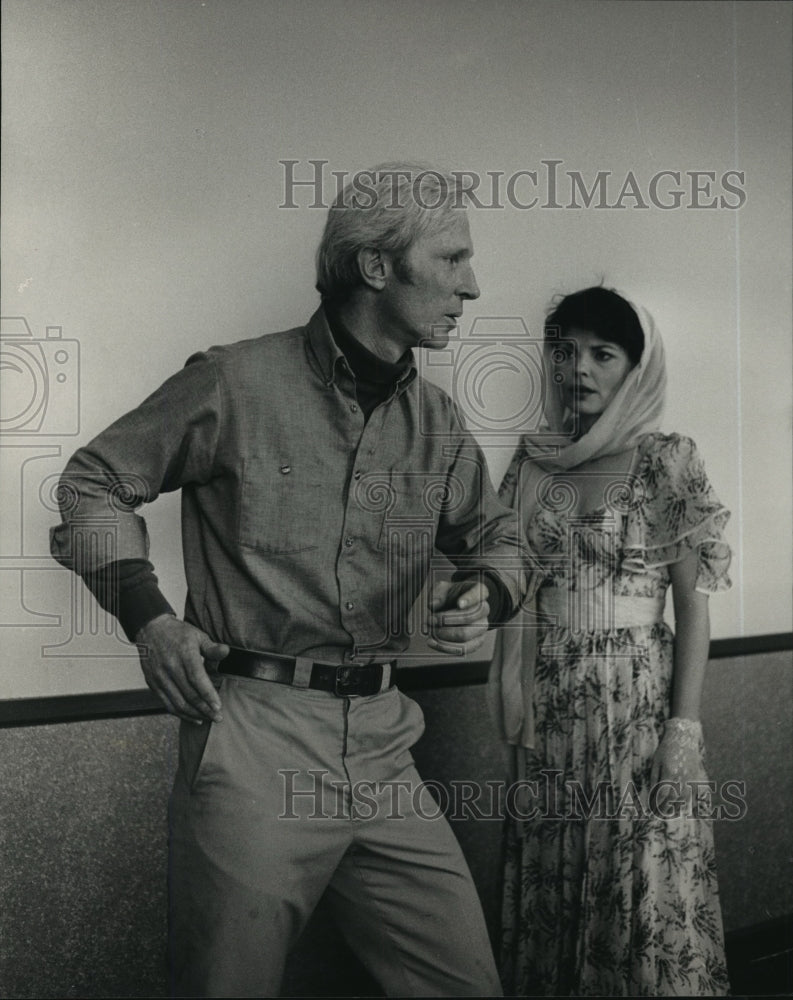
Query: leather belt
344	681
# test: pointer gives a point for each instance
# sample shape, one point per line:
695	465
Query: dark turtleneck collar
366	366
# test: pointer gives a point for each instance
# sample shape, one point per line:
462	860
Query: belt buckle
354	680
346	681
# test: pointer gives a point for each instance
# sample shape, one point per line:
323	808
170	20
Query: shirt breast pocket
414	501
280	507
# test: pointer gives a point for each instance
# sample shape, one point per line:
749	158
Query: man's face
423	297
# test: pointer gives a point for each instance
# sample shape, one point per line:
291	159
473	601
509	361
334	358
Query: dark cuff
138	606
128	589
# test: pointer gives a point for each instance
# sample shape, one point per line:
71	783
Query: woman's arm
692	639
678	758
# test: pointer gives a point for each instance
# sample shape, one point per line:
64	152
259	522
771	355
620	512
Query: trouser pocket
195	744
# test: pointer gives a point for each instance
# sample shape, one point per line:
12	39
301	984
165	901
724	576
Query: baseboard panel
760	958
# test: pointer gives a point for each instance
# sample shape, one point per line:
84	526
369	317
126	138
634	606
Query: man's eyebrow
458	251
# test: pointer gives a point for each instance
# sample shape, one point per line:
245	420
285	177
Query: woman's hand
679	764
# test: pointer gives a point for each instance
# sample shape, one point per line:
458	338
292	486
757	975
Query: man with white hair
317	473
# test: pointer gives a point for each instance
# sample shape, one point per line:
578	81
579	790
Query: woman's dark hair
602	311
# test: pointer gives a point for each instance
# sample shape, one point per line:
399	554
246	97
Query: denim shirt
306	530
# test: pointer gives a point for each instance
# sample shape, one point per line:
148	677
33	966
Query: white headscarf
634	410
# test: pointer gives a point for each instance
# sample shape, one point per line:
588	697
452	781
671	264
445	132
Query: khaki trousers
297	793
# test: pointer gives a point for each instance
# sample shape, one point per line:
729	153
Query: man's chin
437	338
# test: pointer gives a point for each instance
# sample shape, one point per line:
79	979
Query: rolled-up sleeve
166	442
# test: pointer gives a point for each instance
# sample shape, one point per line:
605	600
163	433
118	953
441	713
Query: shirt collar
328	355
323	351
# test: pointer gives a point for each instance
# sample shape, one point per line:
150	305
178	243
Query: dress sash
597	609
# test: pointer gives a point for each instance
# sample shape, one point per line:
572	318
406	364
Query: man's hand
173	657
459	620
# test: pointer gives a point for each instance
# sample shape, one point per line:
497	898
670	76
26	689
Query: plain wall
143	169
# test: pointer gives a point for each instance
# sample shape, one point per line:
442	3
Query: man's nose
468	287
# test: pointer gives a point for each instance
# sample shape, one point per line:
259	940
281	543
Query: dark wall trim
750	645
118	704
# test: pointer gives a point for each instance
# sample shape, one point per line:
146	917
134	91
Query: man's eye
454	259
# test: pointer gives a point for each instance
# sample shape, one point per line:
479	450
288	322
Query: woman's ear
373	267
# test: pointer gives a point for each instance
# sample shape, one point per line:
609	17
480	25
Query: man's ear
374	267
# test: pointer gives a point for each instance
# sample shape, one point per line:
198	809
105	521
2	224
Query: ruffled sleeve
678	512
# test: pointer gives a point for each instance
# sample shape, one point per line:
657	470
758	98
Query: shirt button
348	541
354	407
349	605
356	474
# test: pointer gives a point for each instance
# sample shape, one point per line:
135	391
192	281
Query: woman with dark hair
610	884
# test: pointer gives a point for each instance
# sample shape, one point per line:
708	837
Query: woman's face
591	375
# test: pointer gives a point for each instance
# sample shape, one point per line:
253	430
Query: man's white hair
387	207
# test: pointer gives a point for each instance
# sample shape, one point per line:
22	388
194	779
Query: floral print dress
603	895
